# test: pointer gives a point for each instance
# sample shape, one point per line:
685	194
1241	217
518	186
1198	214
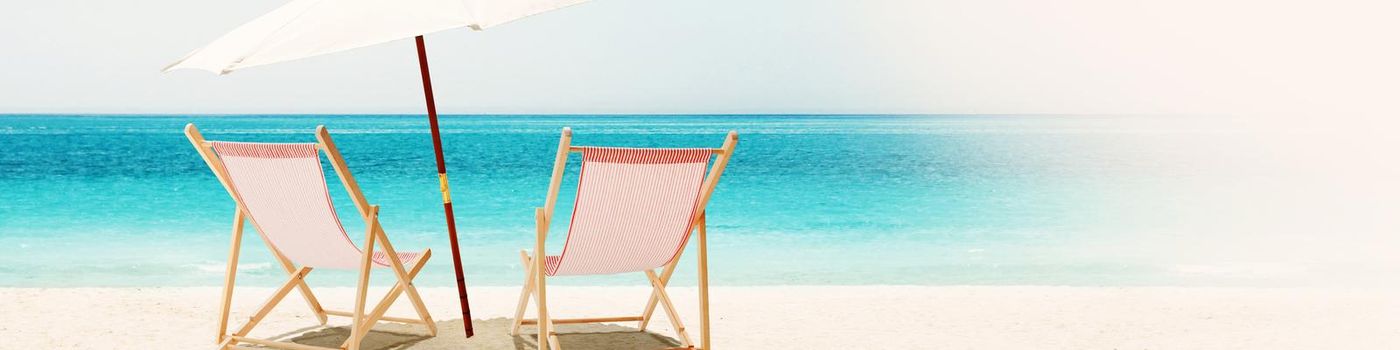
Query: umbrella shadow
492	334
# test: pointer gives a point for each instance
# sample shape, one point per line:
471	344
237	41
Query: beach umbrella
305	28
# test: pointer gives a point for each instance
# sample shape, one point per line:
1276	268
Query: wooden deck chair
281	189
634	212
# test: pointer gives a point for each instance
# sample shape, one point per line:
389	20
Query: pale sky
738	56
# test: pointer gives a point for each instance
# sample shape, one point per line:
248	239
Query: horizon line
284	114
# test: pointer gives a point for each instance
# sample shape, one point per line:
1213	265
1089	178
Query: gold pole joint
442	186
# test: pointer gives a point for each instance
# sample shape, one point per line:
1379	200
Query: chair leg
703	274
225	343
311	302
402	275
372	317
665	301
544	324
230	272
553	338
357	324
417	300
665	279
524	292
269	304
422	309
423	313
651	303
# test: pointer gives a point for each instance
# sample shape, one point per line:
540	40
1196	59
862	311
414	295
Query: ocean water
920	200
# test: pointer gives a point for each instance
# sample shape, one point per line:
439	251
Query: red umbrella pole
442	182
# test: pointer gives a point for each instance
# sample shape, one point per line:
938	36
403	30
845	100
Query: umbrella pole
442	182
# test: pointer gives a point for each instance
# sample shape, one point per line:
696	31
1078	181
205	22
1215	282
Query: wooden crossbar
585	320
381	318
577	149
280	345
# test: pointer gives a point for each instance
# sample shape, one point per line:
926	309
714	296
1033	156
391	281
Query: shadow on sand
492	334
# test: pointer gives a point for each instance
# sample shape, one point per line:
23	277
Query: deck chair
281	189
634	212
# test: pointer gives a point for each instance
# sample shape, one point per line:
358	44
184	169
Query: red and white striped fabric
284	189
633	211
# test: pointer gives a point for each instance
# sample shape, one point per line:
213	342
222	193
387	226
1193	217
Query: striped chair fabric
284	189
633	211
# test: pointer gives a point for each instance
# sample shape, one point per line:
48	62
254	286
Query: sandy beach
777	317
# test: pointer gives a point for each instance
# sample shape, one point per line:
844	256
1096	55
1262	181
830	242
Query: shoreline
768	317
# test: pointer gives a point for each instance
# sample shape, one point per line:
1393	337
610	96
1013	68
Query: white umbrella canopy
306	28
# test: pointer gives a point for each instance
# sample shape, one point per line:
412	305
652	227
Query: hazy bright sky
738	56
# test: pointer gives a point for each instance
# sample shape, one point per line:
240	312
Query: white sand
874	317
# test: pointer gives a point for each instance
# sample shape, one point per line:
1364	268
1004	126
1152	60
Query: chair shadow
492	334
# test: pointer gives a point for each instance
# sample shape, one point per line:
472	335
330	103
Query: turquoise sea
102	200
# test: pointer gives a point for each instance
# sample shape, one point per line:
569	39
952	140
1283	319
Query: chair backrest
283	190
634	209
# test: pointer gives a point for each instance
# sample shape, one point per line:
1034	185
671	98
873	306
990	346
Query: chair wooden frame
361	321
535	274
